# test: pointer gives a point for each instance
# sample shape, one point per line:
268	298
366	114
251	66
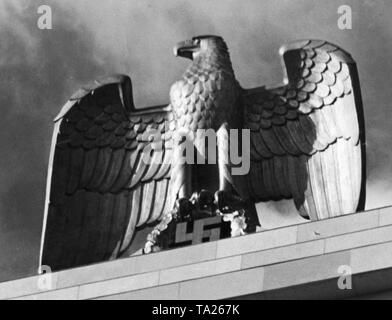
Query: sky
40	69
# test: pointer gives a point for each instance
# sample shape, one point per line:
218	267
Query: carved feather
100	187
325	134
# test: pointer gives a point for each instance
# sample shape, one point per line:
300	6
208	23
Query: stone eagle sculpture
307	143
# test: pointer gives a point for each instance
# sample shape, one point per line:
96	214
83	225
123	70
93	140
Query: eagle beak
186	48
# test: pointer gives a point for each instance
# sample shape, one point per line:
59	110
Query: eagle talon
205	201
184	209
228	202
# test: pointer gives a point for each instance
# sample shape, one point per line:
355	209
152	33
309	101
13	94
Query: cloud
37	70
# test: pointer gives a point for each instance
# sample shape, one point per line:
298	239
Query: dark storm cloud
39	70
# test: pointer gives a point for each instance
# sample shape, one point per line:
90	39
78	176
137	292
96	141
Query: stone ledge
269	260
370	285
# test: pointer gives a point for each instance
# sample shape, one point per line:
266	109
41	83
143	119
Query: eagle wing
100	184
307	136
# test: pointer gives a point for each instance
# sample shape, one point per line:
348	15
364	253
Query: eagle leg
181	176
181	173
227	199
225	178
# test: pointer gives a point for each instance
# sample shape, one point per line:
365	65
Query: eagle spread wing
99	186
307	136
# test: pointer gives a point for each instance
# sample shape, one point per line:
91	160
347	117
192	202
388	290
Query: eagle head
200	45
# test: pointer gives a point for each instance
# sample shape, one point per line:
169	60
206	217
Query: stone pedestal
299	261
